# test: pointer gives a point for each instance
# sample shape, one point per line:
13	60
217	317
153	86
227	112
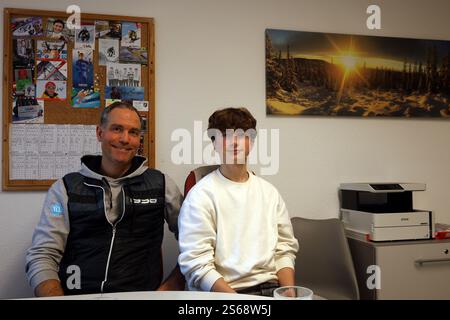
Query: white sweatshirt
238	231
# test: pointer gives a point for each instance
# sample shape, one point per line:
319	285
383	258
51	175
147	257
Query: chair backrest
324	262
195	176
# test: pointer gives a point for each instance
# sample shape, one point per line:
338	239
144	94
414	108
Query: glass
293	293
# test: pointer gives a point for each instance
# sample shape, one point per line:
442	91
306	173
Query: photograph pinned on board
108	102
51	50
85	98
23	53
57	29
85	36
115	30
82	68
108	50
27	110
124	93
30	90
101	29
133	55
51	90
51	70
131	35
123	74
22	78
25	27
141	106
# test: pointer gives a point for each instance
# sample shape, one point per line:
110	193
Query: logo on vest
144	201
56	210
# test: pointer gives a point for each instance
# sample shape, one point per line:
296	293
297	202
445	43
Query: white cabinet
407	269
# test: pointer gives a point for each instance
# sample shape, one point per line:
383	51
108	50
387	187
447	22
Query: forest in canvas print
310	73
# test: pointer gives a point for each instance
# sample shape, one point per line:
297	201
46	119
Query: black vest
133	245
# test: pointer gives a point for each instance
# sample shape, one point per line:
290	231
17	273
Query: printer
384	212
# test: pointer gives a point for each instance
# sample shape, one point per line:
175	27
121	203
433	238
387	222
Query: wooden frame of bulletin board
27	141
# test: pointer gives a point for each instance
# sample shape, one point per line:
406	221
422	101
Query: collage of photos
51	69
42	66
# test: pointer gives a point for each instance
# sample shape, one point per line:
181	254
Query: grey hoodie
50	235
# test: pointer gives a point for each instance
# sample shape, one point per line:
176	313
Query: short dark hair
117	105
59	21
231	118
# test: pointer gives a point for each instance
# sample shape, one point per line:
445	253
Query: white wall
210	53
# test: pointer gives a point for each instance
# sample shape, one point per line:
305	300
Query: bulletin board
56	82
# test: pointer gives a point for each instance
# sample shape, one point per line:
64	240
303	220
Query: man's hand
174	282
49	288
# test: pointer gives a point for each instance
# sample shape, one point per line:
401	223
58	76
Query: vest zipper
113	230
109	258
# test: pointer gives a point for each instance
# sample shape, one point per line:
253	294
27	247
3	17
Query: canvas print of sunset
327	74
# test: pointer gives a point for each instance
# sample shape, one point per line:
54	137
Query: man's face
120	137
233	146
57	27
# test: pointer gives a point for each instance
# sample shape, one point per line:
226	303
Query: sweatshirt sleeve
197	242
49	237
287	245
173	199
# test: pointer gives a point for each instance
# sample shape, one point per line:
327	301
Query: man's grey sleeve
174	199
49	238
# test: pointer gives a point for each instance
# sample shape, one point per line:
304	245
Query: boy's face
233	146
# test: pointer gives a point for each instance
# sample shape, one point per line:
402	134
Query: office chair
195	176
324	262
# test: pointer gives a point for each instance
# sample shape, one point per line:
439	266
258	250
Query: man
136	77
111	79
235	231
117	77
130	75
82	68
101	228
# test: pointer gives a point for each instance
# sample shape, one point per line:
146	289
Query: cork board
62	112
